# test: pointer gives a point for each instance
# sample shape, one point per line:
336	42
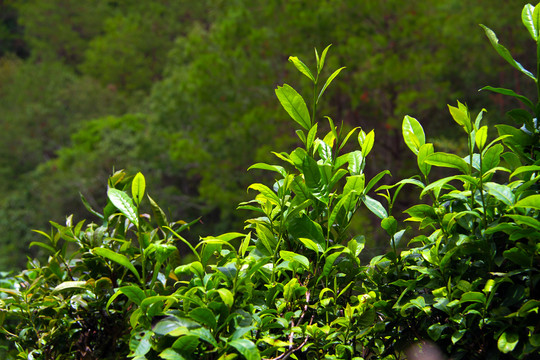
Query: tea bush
292	284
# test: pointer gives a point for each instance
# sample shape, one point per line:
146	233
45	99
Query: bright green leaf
413	133
334	74
138	187
448	160
301	67
246	348
507	342
294	104
123	203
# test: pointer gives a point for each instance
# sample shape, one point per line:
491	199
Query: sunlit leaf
138	187
448	160
507	342
301	67
123	203
328	82
294	104
413	133
246	348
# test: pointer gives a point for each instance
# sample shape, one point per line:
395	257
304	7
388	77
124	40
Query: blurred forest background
183	91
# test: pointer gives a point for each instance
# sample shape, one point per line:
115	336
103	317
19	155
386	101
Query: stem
314	100
482	194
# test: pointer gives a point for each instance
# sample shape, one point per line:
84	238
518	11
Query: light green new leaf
423	153
226	296
525	169
291	256
367	142
532	201
320	62
505	53
301	67
413	133
133	293
142	346
123	203
531	20
170	354
138	186
356	183
330	79
266	192
262	166
461	115
448	160
294	104
481	137
312	245
117	258
246	348
70	285
507	342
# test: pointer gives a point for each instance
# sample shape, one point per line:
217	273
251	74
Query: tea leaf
301	67
461	116
505	53
481	137
374	206
413	133
246	348
69	285
509	92
424	151
328	82
531	20
291	256
294	104
448	160
532	201
123	203
117	258
507	342
138	186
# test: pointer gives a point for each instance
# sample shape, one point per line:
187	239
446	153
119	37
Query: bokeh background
183	91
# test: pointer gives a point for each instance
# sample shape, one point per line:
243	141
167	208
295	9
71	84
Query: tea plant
292	284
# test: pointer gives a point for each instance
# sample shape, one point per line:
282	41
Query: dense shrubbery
200	73
293	285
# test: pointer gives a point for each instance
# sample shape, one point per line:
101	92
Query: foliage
293	285
200	73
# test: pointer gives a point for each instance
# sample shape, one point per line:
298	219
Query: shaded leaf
117	258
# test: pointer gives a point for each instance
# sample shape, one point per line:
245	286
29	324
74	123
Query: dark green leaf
505	53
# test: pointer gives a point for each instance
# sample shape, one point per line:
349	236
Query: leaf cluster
292	284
